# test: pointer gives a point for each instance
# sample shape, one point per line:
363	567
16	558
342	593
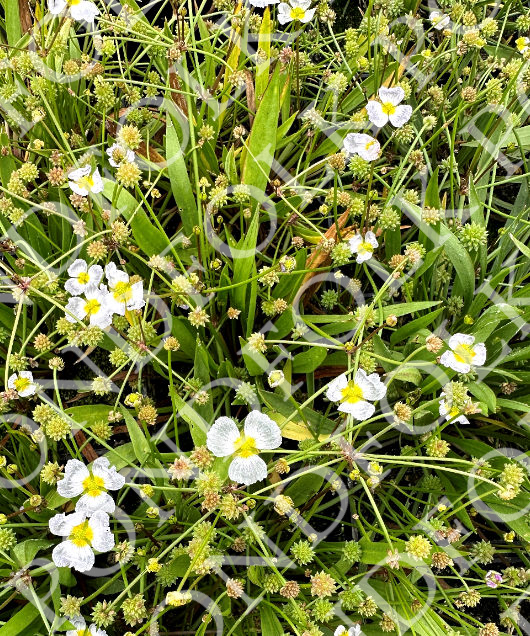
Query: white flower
379	113
354	395
91	484
439	20
22	383
79	9
82	182
463	354
118	154
451	414
295	10
363	246
353	631
81	629
363	145
96	305
275	378
81	537
522	44
259	433
81	276
124	295
261	4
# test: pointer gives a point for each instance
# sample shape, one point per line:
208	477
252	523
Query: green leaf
257	161
310	360
198	427
178	177
414	326
484	394
270	625
21	622
304	487
141	447
25	552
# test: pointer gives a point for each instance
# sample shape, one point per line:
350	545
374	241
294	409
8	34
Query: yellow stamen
81	535
122	292
464	353
83	278
85	182
92	307
366	247
388	108
21	384
245	446
369	144
352	393
93	485
297	13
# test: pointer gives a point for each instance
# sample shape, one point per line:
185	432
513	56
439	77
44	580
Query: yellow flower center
352	393
93	485
245	446
83	278
21	384
521	43
83	632
464	353
388	108
454	412
72	3
366	247
86	182
122	292
297	13
92	307
369	144
81	535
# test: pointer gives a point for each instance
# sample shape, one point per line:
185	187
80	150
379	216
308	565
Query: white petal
373	388
79	173
308	16
77	267
11	381
75	472
103	540
480	354
363	256
88	505
137	301
86	11
372	152
77	189
26	374
371	238
448	360
355	242
95	273
62	524
376	114
334	391
265	431
247	470
74	287
303	4
340	630
98	181
68	555
360	410
460	338
284	13
221	437
261	4
56	6
112	479
75	306
102	319
393	95
401	116
354	141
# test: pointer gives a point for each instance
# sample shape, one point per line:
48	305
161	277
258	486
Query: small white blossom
79	9
355	396
22	383
96	305
463	353
82	276
363	246
81	628
83	181
451	413
81	537
295	10
439	20
91	484
261	4
366	146
275	378
389	109
124	295
353	631
259	433
118	154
